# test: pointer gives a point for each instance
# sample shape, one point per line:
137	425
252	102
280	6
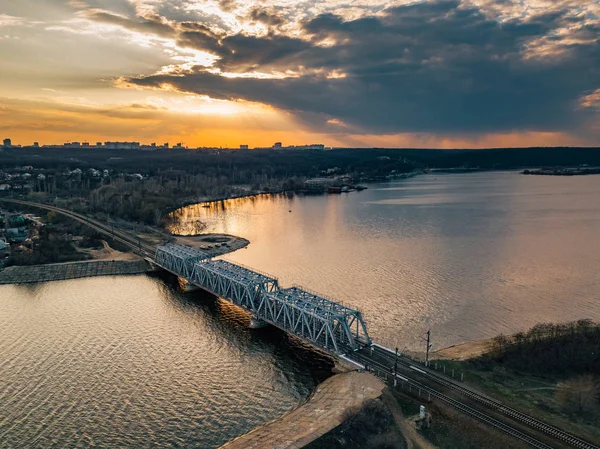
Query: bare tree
579	393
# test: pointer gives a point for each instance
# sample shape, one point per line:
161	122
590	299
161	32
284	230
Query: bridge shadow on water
296	360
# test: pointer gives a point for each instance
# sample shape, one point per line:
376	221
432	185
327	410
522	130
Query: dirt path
107	253
409	432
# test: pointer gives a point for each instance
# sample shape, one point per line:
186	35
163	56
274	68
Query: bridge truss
178	259
314	318
241	286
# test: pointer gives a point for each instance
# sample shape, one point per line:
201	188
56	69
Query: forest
551	350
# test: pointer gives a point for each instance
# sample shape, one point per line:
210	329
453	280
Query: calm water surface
472	254
129	362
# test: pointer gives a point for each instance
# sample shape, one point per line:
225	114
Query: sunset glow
445	74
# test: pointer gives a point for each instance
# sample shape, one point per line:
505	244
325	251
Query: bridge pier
256	323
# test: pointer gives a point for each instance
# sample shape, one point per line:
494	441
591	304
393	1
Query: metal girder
178	259
319	320
241	286
312	317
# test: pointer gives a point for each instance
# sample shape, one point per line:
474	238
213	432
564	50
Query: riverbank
462	351
326	409
214	244
72	270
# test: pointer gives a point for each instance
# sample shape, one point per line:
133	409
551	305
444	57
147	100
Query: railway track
458	405
493	404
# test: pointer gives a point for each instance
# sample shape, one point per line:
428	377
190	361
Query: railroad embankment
327	408
72	270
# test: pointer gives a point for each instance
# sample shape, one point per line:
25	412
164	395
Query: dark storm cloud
268	18
425	67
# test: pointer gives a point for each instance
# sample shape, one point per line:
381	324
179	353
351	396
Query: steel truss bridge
322	322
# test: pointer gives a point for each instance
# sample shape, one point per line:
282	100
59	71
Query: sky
361	73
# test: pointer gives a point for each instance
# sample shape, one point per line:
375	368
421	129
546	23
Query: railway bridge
324	323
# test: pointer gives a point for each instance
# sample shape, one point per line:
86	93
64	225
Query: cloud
262	15
432	67
462	68
150	24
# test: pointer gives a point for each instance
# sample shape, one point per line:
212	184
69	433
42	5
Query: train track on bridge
478	406
128	239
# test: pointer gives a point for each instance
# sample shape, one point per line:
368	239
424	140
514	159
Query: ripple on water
126	362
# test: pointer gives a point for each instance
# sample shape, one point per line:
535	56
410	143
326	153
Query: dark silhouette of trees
554	350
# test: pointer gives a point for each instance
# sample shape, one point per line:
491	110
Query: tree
579	393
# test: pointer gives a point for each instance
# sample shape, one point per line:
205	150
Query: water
129	362
473	255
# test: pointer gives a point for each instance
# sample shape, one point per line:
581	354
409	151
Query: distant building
122	145
320	183
4	250
277	146
36	145
7	143
243	147
99	144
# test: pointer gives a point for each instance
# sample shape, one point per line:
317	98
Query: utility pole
396	362
429	345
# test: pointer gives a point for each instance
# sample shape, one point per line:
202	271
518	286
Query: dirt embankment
214	244
326	409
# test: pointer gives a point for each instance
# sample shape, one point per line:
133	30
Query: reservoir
134	362
470	255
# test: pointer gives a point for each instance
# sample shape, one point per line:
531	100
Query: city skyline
8	143
446	74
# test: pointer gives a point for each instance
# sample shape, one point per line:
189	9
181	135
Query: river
470	255
130	362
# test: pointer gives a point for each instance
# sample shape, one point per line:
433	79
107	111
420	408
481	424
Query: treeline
557	350
238	166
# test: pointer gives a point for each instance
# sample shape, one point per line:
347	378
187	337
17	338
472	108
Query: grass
530	394
453	430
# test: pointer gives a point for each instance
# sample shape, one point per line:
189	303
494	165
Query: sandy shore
214	244
462	351
108	253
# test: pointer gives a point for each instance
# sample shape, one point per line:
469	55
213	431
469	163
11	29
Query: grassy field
531	394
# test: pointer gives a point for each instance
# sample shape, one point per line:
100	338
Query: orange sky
67	68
